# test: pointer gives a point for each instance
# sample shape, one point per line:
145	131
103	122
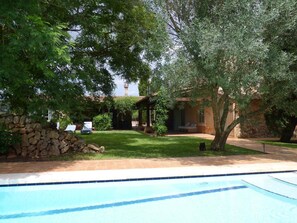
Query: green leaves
102	122
119	35
43	66
161	109
232	45
7	139
233	50
31	51
125	104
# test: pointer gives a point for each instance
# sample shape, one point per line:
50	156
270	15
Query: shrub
64	121
160	129
7	139
125	104
102	122
161	109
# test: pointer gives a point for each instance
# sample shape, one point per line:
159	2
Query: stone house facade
186	113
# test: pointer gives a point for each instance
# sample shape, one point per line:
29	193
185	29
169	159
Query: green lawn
283	144
132	144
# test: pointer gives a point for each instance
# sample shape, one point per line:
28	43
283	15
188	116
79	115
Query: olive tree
229	52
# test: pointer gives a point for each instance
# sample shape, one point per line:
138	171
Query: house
189	116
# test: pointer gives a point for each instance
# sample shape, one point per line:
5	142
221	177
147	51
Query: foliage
161	108
30	50
144	117
134	115
282	117
138	145
53	52
102	122
7	139
107	104
123	110
160	129
125	104
143	86
230	52
85	109
276	121
282	124
64	120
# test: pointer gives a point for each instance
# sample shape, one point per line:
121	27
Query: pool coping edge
14	181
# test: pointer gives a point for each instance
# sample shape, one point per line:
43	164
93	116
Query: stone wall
254	127
39	142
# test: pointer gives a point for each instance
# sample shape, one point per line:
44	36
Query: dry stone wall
253	128
38	142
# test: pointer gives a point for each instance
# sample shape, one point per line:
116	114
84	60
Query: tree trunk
220	108
288	131
219	141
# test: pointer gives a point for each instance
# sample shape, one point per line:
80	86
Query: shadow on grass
291	145
131	144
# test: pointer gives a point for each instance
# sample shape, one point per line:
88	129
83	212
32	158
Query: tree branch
171	18
225	112
242	118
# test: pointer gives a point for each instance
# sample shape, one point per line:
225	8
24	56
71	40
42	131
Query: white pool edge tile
126	174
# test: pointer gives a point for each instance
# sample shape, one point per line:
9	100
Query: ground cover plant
132	144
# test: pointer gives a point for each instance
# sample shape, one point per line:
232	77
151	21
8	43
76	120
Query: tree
281	123
229	52
161	107
34	55
282	118
123	108
53	52
143	86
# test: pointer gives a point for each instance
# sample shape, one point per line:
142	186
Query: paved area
275	159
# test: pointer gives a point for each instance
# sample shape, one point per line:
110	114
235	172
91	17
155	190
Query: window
201	116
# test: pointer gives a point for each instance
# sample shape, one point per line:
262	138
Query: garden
134	144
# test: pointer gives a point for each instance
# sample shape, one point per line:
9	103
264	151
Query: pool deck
276	159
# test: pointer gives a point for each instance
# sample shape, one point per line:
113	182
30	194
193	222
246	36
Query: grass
292	145
132	144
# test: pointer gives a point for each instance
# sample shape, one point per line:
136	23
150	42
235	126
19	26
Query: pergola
146	103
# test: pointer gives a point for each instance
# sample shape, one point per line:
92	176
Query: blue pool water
245	198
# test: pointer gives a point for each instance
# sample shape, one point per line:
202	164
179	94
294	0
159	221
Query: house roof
146	100
101	98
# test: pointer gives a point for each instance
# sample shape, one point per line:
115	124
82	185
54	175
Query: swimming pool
242	198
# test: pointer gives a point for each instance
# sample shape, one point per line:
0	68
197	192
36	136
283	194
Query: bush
125	104
64	121
7	139
161	109
102	122
160	130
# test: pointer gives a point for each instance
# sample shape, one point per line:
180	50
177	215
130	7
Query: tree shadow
151	152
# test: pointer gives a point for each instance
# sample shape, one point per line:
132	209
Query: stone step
286	177
273	185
